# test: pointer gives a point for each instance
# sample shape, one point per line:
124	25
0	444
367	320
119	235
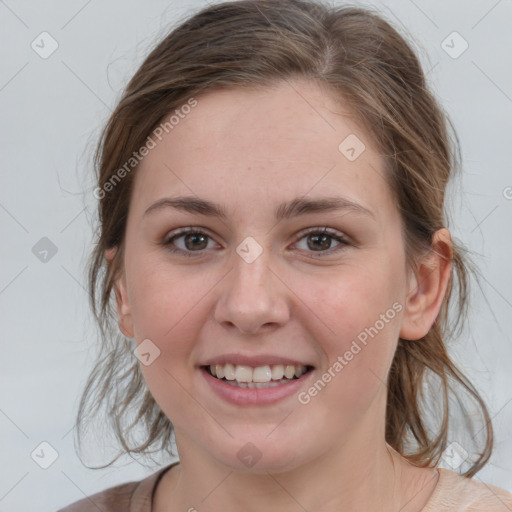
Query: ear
124	316
427	289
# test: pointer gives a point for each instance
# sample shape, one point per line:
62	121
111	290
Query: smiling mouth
259	377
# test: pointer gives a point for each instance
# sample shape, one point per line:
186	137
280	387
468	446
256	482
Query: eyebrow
287	210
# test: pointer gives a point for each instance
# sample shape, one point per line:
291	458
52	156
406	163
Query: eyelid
323	230
178	233
338	236
185	230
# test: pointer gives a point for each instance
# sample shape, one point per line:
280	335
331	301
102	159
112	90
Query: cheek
164	298
169	306
172	324
350	299
356	316
169	385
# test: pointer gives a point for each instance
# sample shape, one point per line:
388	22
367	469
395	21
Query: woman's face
254	288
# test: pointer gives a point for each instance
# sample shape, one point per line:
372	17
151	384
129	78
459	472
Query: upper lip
259	360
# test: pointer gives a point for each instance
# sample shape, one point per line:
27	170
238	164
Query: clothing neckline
143	495
435	490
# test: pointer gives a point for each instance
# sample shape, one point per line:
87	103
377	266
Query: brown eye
195	241
187	241
320	240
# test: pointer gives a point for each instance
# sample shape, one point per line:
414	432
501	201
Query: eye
195	240
319	240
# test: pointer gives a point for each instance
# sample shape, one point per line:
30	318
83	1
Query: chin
257	455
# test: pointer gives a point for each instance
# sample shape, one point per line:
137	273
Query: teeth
228	369
219	371
299	371
257	385
243	373
289	371
262	374
251	377
277	372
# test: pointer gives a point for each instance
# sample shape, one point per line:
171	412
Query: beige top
453	493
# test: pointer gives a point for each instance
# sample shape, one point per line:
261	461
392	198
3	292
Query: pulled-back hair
361	60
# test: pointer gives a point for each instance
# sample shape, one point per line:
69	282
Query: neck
356	476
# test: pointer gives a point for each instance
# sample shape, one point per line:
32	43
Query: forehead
287	140
272	122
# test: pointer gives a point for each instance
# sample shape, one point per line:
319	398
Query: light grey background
51	112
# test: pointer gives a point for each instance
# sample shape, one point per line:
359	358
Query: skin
250	150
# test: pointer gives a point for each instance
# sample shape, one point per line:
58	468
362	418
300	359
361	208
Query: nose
252	297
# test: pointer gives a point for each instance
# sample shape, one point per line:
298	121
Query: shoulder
456	493
134	495
109	500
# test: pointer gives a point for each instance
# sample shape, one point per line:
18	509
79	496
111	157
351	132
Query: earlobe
427	288
123	307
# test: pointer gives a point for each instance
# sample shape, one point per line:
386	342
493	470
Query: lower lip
246	396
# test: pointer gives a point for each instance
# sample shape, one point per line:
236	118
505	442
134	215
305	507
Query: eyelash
310	231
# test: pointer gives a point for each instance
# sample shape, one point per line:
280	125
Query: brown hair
359	58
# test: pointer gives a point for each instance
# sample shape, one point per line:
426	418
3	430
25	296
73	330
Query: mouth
258	377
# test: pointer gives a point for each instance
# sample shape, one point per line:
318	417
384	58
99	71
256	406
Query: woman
271	196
